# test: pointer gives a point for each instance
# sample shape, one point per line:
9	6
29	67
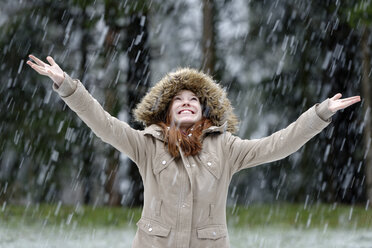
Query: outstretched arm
111	130
247	153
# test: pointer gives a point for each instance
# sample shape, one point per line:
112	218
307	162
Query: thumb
51	60
337	96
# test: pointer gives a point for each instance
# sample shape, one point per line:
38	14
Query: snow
32	237
268	237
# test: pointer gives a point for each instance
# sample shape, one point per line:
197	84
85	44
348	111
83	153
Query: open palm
51	70
336	103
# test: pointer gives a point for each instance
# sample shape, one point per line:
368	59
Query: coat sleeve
247	153
108	128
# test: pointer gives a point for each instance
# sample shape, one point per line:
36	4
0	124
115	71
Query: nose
185	103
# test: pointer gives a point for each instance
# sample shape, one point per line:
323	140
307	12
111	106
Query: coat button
193	165
150	229
209	163
214	233
164	162
187	165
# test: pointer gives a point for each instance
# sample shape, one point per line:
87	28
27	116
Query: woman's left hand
335	103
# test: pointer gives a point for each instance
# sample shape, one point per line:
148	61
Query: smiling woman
185	109
184	124
187	153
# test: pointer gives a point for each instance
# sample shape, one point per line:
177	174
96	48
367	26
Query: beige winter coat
185	198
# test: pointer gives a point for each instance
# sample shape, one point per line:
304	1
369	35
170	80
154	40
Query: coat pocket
212	232
153	228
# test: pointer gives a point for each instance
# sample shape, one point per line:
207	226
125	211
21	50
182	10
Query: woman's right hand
51	70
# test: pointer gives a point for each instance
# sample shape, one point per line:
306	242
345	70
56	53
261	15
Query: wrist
59	80
67	87
324	111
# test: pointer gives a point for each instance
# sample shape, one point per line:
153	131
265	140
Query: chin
185	123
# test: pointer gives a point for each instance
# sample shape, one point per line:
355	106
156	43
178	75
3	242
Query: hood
216	106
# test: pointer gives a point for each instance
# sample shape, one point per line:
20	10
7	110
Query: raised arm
111	130
247	153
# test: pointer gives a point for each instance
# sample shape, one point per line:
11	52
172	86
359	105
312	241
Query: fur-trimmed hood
216	106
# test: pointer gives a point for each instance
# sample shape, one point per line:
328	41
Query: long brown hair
189	141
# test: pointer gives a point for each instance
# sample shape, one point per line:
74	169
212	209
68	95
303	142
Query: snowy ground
290	238
28	237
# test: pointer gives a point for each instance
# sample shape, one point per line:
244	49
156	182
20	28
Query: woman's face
185	109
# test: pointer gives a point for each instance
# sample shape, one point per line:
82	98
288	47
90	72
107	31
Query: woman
187	153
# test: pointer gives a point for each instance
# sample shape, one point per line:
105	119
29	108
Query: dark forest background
275	58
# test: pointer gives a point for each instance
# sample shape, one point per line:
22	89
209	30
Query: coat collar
216	129
157	132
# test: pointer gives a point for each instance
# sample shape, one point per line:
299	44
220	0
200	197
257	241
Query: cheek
171	116
172	111
200	109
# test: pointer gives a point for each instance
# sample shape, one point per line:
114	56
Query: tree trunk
366	94
208	39
111	106
137	84
88	152
113	155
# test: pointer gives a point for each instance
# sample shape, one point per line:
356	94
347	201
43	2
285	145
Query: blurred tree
85	24
56	137
208	37
367	106
113	12
359	15
138	78
67	32
36	136
298	53
132	17
312	48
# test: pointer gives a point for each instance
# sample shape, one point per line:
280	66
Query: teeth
185	112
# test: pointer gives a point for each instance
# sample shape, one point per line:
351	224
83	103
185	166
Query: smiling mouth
186	111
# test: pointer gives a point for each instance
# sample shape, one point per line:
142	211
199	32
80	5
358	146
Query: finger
352	101
38	61
337	96
30	63
33	65
51	60
351	98
39	69
347	104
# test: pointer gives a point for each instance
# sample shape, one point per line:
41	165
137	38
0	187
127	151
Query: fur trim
216	106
